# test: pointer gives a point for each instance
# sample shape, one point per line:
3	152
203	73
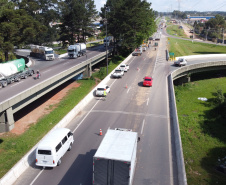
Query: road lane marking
37	176
47	71
128	90
142	128
147	101
85	117
130	113
17	84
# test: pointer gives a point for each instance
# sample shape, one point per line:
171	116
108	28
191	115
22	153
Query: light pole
106	40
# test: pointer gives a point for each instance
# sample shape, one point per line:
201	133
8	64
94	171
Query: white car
100	90
118	73
180	62
124	67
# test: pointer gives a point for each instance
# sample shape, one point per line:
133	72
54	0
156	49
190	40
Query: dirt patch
32	117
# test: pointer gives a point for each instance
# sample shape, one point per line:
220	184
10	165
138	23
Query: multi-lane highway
129	105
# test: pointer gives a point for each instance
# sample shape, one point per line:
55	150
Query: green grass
183	47
203	131
174	30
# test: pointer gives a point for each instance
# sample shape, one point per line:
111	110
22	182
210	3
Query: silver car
100	90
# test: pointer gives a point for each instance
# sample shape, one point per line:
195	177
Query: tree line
24	22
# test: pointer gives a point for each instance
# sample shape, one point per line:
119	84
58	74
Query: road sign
172	54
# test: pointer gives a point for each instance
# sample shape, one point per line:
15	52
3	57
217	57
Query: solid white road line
37	176
85	117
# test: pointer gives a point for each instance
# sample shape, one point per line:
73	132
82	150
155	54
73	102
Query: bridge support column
6	120
87	72
184	79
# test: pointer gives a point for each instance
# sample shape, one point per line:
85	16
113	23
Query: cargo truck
76	50
115	160
14	71
42	52
108	41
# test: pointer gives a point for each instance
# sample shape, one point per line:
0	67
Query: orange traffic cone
100	132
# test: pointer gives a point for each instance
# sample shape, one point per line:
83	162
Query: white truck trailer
42	52
76	50
13	71
115	160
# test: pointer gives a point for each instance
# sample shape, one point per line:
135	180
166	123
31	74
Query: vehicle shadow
81	170
140	84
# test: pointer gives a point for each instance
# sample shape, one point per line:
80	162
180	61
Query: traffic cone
126	86
100	132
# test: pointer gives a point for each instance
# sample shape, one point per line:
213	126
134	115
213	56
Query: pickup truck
124	67
118	73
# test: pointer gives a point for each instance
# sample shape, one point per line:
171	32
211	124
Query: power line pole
106	40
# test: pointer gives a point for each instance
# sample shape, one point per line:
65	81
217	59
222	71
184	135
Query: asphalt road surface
129	105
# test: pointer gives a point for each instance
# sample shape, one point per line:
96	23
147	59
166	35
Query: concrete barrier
182	180
29	159
202	56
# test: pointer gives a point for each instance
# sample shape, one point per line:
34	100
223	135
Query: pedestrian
105	95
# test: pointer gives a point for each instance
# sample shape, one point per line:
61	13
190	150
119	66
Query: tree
129	21
16	27
77	17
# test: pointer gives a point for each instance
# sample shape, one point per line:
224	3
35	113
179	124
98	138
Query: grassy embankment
174	30
13	147
203	130
184	47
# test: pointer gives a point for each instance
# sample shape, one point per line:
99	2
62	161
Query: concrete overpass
22	99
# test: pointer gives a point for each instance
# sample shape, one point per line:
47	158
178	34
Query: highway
47	70
143	109
129	105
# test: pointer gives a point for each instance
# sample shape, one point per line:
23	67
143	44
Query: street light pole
106	40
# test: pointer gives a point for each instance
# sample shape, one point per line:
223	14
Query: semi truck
115	160
14	71
108	41
76	50
42	52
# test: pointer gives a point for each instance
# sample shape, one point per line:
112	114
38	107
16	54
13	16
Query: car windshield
100	89
49	52
122	66
147	79
118	71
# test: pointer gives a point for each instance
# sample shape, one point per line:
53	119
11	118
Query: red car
147	81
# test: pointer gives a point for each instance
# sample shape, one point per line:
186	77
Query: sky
185	5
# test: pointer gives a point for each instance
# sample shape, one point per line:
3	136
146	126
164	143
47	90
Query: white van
52	148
